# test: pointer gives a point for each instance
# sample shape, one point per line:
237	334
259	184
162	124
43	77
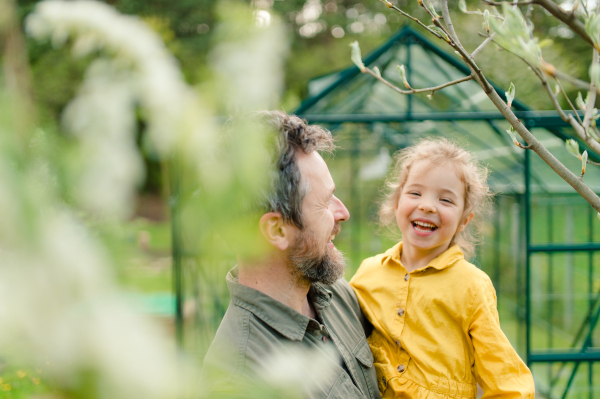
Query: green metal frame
582	352
543	119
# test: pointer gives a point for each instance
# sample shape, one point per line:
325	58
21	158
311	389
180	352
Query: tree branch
567	18
393	7
591	99
482	45
499	3
569	101
414	91
573	180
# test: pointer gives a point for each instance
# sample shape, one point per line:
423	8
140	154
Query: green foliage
592	27
510	94
514	35
355	56
402	71
573	148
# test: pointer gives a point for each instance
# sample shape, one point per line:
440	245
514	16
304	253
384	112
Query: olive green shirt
257	329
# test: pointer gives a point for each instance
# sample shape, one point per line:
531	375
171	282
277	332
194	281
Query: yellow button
398	343
406	277
400	312
401	368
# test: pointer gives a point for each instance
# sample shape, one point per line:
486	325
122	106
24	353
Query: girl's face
430	208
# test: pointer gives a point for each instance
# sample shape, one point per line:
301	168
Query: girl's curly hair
471	173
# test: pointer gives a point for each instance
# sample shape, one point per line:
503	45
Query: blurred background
170	260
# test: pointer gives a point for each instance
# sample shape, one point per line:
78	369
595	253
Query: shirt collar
443	261
278	316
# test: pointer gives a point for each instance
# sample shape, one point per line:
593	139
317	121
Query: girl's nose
427	207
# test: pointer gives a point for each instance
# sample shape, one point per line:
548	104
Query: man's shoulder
240	342
227	351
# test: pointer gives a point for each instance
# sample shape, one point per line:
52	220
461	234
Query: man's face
313	254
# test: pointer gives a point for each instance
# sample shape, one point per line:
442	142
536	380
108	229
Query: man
293	299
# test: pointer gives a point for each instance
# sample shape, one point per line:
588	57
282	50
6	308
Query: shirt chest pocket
364	357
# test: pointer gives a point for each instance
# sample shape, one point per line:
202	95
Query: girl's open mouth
424	228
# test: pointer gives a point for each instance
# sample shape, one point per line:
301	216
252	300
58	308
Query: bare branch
414	91
482	45
393	7
591	99
499	3
565	17
569	101
582	84
529	138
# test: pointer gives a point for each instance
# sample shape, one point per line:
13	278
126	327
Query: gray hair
292	135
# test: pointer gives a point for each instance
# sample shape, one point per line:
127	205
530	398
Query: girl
436	332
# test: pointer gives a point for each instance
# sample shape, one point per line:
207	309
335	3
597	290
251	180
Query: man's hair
287	189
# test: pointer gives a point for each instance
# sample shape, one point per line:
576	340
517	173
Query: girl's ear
465	222
275	231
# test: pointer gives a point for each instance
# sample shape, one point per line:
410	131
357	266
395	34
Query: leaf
403	76
376	71
592	133
510	94
556	89
511	133
432	11
440	32
592	27
546	43
573	148
387	3
579	101
486	20
355	57
595	74
584	158
462	5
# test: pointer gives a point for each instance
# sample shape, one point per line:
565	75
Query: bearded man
293	299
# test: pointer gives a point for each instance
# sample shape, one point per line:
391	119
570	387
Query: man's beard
308	259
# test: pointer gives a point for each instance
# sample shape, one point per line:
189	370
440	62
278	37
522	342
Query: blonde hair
470	172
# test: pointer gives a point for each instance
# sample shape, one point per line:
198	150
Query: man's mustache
336	229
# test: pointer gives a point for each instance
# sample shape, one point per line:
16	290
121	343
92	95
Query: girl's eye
414	193
447	200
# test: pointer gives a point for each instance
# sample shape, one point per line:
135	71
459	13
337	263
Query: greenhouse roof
462	112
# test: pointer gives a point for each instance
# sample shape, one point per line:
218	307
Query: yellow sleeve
498	368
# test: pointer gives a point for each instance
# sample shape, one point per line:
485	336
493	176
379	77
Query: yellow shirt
436	330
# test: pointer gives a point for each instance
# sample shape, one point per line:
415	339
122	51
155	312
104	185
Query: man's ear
465	222
275	230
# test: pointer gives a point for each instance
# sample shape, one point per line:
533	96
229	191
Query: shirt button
400	312
406	277
401	368
399	344
324	339
383	379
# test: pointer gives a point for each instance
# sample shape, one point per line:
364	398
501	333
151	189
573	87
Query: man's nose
340	212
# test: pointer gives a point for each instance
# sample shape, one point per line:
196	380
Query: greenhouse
538	247
549	288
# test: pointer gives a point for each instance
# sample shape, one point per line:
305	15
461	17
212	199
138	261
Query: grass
20	383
